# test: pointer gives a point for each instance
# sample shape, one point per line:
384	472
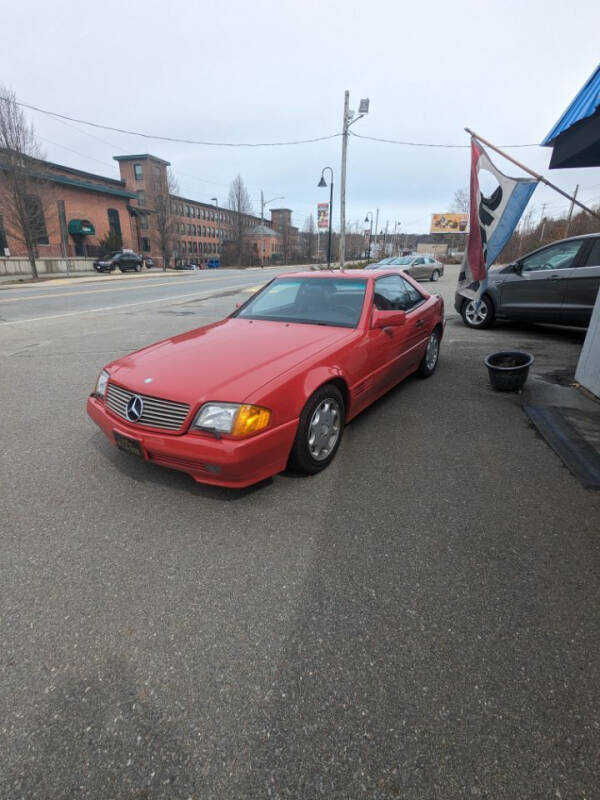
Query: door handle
420	323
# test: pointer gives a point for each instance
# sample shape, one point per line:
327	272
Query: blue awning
585	104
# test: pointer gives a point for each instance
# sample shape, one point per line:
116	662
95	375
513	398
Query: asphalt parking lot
418	621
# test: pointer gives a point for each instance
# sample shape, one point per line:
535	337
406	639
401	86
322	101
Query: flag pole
531	172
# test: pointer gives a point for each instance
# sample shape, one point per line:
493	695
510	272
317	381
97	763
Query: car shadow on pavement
143	472
102	735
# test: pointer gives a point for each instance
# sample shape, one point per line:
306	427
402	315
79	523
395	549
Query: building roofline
139	156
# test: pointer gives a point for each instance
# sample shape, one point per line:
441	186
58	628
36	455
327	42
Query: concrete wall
588	367
45	266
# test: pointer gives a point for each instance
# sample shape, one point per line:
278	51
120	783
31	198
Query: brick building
79	208
75	208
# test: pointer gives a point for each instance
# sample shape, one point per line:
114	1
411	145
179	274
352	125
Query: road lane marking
118	308
99	291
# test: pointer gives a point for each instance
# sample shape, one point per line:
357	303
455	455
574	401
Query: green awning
81	227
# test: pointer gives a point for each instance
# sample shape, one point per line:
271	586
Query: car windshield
312	301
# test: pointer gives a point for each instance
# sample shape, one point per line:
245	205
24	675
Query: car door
417	268
581	287
534	292
393	350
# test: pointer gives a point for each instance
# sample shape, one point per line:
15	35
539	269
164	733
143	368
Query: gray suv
557	283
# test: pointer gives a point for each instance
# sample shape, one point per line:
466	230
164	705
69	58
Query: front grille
157	413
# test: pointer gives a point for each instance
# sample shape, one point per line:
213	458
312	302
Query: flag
491	221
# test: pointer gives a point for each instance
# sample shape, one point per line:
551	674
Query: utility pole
571	211
349	119
377	227
543	222
262	233
343	184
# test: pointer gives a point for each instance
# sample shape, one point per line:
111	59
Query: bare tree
162	185
25	191
239	202
309	235
460	201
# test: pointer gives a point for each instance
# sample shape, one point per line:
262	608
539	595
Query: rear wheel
435	275
138	266
478	314
432	354
319	431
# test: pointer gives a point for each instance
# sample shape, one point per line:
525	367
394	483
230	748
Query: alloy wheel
324	429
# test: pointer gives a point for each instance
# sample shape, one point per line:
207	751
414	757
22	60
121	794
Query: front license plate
128	445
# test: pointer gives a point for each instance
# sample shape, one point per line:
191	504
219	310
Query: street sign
323	216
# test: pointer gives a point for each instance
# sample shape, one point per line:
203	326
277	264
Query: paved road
63	298
418	621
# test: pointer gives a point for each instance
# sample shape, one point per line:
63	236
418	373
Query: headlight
101	383
232	418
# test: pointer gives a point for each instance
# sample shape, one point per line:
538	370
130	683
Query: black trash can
508	369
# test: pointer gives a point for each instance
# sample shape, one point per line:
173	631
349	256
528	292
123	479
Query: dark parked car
125	260
557	283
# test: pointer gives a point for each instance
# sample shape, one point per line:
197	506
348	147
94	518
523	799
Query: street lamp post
264	203
322	183
369	213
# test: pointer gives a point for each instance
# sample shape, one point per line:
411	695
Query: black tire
480	319
431	356
122	269
138	266
435	275
301	458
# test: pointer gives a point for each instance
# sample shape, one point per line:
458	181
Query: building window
141	198
156	170
145	244
195	246
35	212
114	223
187	211
143	218
138	172
193	230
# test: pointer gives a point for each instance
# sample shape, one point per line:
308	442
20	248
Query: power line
430	144
172	138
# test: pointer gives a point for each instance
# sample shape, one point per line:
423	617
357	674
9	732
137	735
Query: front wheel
478	313
431	357
319	431
138	266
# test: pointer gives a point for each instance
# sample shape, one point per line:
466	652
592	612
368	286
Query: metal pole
343	184
543	222
531	172
330	214
376	225
571	212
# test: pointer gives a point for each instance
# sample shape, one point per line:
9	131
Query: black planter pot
508	369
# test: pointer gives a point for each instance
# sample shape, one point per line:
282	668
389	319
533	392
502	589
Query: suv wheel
478	314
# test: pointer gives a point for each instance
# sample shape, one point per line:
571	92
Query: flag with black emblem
491	221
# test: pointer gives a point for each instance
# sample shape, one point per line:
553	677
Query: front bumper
235	463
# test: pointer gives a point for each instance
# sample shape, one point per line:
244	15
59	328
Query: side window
593	258
557	256
393	293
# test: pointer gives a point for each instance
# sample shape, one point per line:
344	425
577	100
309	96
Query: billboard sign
448	223
323	216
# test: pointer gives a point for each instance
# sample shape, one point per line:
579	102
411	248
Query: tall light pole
321	184
264	203
349	119
370	231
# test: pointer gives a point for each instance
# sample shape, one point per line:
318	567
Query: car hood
227	361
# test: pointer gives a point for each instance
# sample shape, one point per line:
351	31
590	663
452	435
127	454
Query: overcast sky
274	71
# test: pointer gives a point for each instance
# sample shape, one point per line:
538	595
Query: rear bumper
459	299
221	462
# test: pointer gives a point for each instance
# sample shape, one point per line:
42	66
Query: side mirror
387	319
516	267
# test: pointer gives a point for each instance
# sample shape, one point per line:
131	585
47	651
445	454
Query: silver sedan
420	267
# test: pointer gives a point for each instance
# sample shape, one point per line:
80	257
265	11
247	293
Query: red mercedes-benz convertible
274	384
